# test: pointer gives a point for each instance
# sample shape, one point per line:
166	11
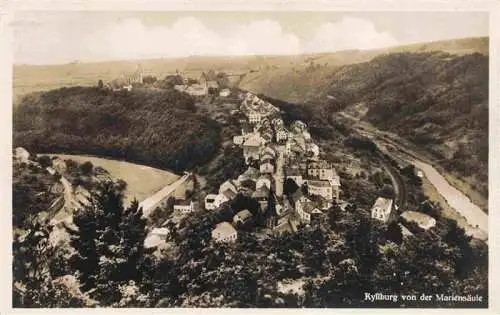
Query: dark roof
183	203
318	183
292	171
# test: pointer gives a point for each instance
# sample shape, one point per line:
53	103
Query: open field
142	181
260	69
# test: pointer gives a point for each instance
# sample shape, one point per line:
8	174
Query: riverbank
410	151
455	205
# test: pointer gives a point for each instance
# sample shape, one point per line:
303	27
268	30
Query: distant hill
157	128
437	100
30	78
301	78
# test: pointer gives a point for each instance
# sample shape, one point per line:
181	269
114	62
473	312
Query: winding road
150	203
475	219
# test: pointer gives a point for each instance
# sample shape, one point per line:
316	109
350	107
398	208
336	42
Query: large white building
254	117
383	210
320	188
184	206
224	232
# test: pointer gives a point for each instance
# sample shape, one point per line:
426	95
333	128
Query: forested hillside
160	128
435	99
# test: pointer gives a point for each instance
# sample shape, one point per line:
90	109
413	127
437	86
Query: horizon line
243	55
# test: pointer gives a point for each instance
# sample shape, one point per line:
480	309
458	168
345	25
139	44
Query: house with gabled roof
224	232
383	210
228	184
320	188
184	206
252	147
210	202
262	196
281	135
251	173
264	180
243	217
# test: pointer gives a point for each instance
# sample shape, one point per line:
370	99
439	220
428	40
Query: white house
225	92
320	188
254	117
184	206
21	155
242	217
228	184
196	89
238	140
219	200
224	232
281	135
252	146
210	202
321	170
304	207
224	196
383	210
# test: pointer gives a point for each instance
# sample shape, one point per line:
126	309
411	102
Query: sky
50	37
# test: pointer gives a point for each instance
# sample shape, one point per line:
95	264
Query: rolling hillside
156	128
436	99
434	94
30	78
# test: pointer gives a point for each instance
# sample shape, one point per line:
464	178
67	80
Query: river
474	215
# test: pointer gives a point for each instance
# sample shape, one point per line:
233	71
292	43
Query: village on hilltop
293	185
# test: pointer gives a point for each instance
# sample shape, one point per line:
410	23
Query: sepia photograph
250	159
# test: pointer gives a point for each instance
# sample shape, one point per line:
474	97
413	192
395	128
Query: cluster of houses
205	86
276	154
127	80
385	210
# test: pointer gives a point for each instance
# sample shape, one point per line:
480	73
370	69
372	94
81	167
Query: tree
149	79
87	168
45	161
109	243
289	187
394	233
100	84
34	281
